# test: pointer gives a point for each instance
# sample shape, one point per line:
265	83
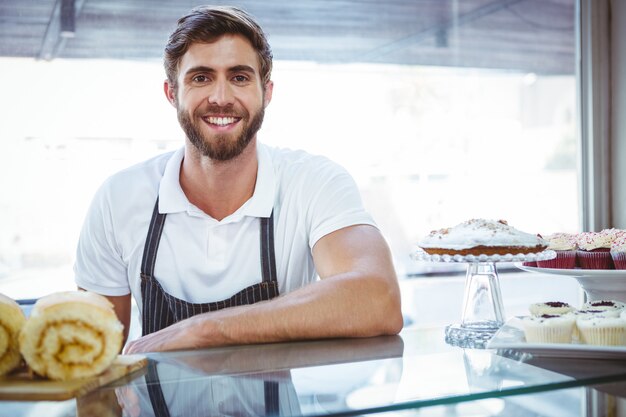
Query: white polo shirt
201	259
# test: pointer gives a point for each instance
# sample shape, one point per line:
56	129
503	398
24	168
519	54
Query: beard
221	147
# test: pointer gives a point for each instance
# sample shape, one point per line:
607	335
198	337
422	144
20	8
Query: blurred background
442	110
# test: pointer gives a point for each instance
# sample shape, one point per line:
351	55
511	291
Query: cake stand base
475	337
483	311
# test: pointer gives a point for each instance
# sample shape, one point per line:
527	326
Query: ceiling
523	35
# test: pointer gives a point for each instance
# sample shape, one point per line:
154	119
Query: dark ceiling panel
526	35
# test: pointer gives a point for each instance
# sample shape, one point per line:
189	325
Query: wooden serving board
26	387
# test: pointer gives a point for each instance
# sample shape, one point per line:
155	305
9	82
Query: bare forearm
342	306
358	296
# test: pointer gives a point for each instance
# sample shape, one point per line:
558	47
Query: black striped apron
161	309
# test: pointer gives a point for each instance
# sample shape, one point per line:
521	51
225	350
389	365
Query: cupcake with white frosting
588	313
551	308
591	312
594	249
564	244
604	305
618	251
602	330
549	328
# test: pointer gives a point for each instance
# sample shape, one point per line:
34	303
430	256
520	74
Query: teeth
221	121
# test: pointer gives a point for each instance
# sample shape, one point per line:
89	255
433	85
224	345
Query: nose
221	94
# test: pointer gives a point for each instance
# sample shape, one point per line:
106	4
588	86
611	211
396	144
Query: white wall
618	124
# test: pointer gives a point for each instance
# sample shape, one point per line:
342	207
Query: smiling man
228	241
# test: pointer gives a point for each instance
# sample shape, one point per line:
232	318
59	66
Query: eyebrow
236	68
242	68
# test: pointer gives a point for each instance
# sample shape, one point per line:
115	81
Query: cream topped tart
481	237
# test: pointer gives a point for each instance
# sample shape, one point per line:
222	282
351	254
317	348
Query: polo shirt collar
172	199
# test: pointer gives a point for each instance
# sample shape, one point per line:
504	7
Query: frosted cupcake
594	249
549	328
618	251
602	330
591	312
564	244
551	308
604	305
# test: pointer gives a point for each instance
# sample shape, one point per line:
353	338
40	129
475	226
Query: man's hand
128	400
186	334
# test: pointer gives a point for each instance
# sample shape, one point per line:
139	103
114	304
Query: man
220	242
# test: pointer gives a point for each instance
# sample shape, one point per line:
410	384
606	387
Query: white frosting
604	305
479	232
552	307
619	244
561	241
589	312
550	320
597	240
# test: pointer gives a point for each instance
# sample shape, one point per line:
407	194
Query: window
441	110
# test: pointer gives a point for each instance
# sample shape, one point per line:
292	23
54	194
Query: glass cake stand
483	310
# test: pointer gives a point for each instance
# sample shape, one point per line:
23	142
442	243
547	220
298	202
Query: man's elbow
394	323
389	314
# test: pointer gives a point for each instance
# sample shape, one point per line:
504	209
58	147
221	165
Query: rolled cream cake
12	320
71	335
481	237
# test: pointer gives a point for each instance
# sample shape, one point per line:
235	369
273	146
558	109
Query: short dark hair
205	24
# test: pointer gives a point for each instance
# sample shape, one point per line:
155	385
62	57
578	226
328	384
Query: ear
170	92
269	87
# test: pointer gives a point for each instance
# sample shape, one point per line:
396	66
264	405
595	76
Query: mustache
221	110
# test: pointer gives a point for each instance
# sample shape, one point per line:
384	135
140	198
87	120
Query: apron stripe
263	245
161	309
271	256
155	392
271	398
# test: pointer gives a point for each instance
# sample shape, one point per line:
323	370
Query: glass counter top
332	377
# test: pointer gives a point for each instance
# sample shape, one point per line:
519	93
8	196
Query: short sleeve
99	266
335	201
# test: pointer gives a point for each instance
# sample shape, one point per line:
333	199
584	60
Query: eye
200	78
240	78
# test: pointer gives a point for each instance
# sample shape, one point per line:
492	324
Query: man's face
220	97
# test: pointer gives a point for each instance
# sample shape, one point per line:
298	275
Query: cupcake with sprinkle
594	249
618	251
